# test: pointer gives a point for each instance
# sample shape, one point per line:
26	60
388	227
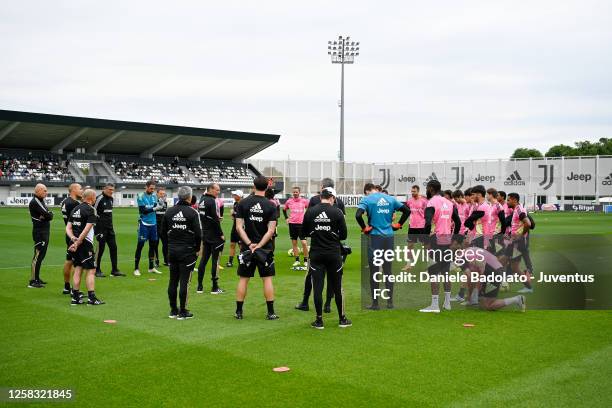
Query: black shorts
490	289
234	237
295	232
68	253
417	235
265	269
441	258
517	248
84	256
40	237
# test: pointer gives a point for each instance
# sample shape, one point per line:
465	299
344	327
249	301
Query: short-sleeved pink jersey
417	211
298	207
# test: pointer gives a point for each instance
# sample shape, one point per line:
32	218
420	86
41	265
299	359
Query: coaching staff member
303	305
181	224
105	232
326	227
213	239
75	194
256	219
80	229
41	225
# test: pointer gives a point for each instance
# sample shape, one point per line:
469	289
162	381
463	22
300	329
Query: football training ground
388	358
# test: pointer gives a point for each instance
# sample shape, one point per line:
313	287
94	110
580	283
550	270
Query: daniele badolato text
459	258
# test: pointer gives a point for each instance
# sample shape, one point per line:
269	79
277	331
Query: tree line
583	148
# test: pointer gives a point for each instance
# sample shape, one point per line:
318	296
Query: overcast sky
435	80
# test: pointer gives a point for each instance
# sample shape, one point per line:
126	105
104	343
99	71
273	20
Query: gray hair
327	182
185	193
89	193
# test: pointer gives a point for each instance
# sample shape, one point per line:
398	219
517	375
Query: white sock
434	301
511	300
447	297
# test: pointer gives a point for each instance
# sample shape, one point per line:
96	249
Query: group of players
486	221
475	218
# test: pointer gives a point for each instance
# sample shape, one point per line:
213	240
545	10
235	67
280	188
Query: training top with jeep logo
326	227
257	212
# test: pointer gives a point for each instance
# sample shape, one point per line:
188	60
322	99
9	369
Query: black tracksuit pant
181	268
41	243
107	237
330	265
211	250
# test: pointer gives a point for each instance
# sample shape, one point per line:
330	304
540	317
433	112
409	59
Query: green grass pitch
388	358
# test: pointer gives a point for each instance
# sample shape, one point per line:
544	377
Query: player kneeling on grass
80	231
256	223
488	266
326	227
181	224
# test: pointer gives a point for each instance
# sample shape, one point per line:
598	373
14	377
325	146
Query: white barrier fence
561	177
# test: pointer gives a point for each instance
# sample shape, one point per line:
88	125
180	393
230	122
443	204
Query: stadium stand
16	165
222	173
132	170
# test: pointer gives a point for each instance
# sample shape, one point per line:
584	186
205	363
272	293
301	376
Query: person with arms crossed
105	231
147	226
181	225
297	207
75	194
256	219
80	230
380	208
326	227
41	227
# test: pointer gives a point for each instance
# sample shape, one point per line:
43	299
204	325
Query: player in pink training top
416	231
485	263
297	206
463	209
442	214
496	220
479	220
519	230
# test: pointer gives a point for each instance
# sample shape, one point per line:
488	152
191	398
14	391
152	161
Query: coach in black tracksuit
162	207
315	200
184	235
326	227
41	225
212	237
105	232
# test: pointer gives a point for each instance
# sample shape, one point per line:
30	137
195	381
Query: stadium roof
26	130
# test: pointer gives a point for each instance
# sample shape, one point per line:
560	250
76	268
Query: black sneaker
173	314
200	289
216	291
238	315
373	306
344	322
272	316
99	274
184	315
75	302
302	307
229	265
66	291
117	274
35	284
317	324
42	282
94	301
327	309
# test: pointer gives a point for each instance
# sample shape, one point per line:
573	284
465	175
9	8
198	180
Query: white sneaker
447	306
136	272
505	287
431	309
155	271
525	290
457	298
522	304
296	264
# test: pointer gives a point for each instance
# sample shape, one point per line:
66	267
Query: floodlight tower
342	51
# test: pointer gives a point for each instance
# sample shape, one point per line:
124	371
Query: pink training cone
281	369
110	321
468	325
